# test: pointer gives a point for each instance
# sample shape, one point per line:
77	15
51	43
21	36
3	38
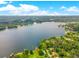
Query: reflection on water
14	40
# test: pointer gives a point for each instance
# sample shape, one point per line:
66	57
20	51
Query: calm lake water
15	40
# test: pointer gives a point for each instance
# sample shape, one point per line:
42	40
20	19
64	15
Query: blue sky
39	7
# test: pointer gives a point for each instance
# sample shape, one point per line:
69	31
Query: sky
9	7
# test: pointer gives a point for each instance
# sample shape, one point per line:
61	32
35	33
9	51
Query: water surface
14	40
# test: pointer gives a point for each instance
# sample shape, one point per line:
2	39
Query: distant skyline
39	8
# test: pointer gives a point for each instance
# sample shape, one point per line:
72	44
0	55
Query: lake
17	39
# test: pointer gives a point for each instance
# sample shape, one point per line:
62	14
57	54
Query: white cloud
55	13
62	7
2	2
38	13
24	8
8	7
72	9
